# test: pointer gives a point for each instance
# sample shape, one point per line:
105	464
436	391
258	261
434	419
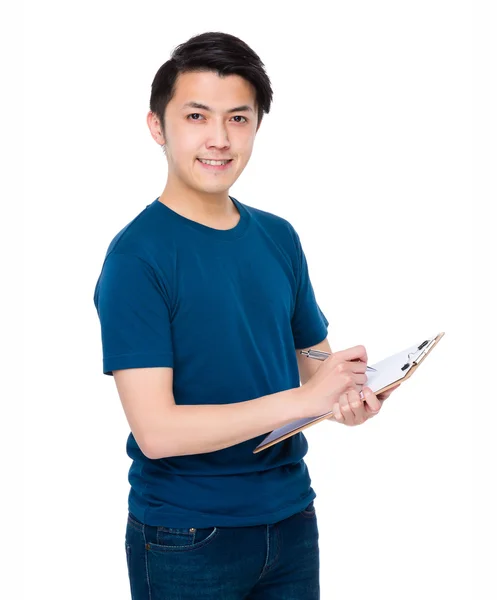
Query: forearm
196	429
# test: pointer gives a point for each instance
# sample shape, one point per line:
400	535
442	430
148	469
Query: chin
212	189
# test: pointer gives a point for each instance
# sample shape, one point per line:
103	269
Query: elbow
158	440
154	450
149	452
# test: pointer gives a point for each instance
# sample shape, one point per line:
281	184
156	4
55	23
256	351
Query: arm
308	366
162	428
134	307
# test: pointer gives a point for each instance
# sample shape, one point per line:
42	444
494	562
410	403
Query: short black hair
211	51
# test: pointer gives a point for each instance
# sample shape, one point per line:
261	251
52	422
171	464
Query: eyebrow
243	108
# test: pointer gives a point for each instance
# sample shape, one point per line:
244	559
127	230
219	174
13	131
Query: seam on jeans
135	525
189	548
146	563
277	542
308	514
267	555
278	546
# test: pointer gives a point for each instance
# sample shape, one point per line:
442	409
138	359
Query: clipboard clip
419	353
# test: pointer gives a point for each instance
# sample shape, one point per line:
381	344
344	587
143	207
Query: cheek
183	156
184	143
245	157
247	149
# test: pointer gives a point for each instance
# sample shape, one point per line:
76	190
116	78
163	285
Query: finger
371	400
354	353
357	406
370	412
337	414
345	409
358	366
360	379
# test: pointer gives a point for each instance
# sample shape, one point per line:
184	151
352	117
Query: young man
204	304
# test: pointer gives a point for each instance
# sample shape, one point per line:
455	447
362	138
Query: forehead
215	91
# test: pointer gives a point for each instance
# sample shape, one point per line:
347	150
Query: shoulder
141	237
280	229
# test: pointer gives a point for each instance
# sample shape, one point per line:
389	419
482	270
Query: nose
218	136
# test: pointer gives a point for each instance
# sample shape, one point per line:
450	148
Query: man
204	304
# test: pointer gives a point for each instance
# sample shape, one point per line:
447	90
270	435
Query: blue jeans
261	562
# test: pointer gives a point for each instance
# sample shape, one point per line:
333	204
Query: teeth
213	162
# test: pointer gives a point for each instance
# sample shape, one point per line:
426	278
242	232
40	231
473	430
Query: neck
209	209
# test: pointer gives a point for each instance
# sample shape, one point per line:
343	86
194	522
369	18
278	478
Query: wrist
301	402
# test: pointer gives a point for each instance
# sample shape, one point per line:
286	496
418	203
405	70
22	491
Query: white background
367	151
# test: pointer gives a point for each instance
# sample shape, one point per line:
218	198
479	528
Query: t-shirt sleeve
134	314
309	324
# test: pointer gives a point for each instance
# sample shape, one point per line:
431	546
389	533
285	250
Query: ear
155	128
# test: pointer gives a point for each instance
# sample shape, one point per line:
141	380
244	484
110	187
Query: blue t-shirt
226	309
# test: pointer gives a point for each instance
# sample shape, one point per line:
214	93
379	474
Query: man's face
192	132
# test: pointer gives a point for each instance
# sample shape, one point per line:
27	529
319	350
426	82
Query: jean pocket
309	511
183	539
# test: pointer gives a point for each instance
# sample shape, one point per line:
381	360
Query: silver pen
320	355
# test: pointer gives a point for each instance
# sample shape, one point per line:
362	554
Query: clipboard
387	373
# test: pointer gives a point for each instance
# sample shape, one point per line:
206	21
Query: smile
216	165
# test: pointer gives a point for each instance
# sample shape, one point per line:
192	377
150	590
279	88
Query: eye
199	115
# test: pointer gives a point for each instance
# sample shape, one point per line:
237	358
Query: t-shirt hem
200	520
133	361
311	339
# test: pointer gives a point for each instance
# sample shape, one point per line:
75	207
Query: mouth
216	165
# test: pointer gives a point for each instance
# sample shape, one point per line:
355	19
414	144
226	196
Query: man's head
191	109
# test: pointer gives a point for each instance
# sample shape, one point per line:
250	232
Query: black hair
211	51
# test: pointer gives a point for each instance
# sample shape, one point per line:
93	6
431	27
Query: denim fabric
262	562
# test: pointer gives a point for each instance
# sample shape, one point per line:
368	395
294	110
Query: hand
341	372
352	410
